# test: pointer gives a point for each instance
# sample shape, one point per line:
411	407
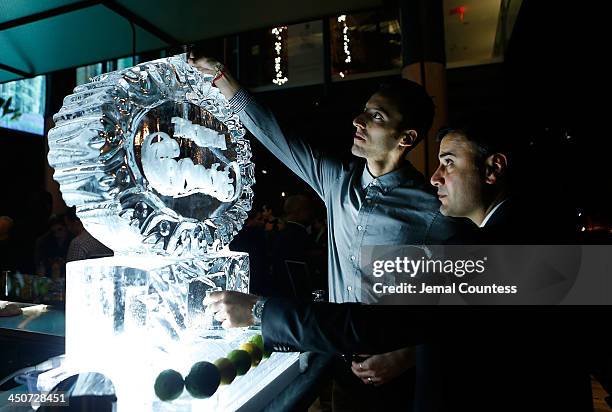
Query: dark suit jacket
470	358
519	221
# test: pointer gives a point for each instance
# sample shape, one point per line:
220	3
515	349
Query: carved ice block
159	299
129	317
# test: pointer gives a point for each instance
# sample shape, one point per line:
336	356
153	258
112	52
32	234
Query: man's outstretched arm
293	151
327	327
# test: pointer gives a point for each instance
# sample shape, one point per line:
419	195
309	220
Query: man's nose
358	122
437	179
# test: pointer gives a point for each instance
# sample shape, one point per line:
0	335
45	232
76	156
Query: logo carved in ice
200	135
134	191
178	178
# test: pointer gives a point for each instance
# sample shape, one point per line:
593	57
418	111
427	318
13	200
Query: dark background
548	87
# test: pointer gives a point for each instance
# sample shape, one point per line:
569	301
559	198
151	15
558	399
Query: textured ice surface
154	159
153	296
129	318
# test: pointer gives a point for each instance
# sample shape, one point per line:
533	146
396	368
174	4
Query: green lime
258	340
241	359
227	370
203	380
266	354
254	352
168	385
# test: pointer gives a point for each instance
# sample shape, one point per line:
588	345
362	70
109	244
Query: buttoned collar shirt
398	208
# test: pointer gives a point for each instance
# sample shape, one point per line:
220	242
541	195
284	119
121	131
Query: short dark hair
489	133
413	103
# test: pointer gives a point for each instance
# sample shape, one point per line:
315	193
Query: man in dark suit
470	358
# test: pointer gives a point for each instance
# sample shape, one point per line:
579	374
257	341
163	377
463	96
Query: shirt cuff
240	100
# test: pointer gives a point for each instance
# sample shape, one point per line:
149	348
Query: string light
345	37
279	79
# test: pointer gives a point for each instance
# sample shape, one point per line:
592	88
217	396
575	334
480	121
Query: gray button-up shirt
394	209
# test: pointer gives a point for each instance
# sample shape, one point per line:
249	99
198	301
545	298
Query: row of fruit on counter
204	378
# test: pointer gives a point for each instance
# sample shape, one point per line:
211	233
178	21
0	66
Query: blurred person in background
252	240
292	242
84	245
51	249
8	248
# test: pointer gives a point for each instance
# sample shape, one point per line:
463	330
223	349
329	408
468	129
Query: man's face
458	179
59	231
378	132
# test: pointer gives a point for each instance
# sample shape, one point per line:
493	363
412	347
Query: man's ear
495	167
409	138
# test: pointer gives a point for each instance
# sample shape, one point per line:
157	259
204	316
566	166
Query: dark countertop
31	338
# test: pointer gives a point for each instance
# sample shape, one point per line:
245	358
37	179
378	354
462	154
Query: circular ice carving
154	159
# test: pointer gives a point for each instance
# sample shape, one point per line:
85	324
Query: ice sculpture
159	170
154	159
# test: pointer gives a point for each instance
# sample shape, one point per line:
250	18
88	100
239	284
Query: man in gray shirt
377	199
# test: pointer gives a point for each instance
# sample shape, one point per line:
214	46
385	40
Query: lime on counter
241	359
203	380
258	340
227	370
168	385
254	352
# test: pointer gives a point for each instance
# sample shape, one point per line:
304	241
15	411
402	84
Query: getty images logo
414	267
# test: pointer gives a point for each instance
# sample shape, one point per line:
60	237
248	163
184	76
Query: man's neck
378	169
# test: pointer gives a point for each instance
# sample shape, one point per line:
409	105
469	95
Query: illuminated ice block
131	317
157	298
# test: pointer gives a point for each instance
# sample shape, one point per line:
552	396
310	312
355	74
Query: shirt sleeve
75	252
315	169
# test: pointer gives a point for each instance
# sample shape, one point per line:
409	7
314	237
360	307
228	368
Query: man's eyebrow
377	108
444	154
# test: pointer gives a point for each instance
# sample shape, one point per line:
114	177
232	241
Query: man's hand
380	369
233	309
207	65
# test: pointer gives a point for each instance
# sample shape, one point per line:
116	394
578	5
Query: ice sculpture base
251	392
130	317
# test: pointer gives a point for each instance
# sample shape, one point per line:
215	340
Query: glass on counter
22	287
